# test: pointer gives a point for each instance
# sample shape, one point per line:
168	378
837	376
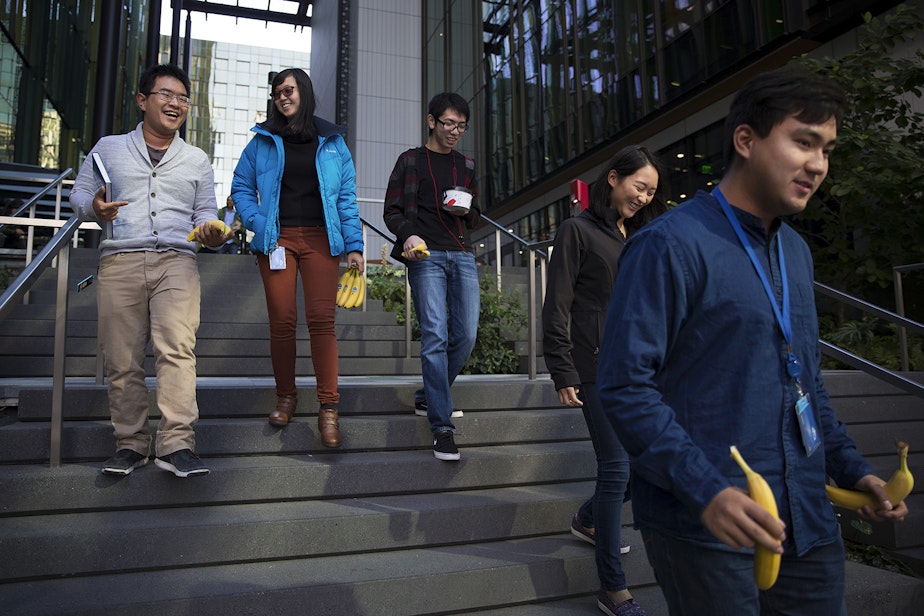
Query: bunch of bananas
351	290
218	224
766	563
898	487
421	248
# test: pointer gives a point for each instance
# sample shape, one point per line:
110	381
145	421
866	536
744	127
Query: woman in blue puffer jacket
295	188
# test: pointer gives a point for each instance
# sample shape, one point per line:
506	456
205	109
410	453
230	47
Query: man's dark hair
150	75
302	123
626	162
769	98
447	100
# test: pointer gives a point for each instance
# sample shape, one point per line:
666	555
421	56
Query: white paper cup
457	198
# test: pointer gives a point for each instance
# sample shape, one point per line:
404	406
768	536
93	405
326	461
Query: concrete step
435	580
33	488
92	440
150	539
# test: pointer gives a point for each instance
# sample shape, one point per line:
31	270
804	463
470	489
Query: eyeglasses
286	91
166	96
452	126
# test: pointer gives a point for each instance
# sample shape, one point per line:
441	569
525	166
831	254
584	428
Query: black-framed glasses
286	91
452	126
167	96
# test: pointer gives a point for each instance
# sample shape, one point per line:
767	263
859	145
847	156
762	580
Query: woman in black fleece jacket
580	279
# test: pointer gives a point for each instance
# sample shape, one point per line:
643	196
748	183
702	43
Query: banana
218	224
766	563
898	487
353	296
361	296
421	248
343	286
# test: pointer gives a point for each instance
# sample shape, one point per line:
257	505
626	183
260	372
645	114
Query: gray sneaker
182	463
123	462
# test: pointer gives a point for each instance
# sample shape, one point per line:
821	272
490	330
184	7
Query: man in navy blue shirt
711	340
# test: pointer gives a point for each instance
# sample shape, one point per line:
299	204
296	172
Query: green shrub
500	314
871	339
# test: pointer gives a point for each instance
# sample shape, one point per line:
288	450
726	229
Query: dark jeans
713	579
603	512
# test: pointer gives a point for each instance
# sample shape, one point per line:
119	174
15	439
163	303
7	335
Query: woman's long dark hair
302	124
626	162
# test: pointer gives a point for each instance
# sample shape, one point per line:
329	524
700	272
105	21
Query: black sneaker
444	446
123	462
420	408
182	463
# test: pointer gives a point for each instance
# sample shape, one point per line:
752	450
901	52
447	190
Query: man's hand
106	211
211	236
409	245
739	522
568	396
888	511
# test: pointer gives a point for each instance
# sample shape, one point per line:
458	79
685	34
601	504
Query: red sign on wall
580	196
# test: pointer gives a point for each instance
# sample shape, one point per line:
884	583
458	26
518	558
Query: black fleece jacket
580	279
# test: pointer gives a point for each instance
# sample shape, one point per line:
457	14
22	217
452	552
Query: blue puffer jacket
258	178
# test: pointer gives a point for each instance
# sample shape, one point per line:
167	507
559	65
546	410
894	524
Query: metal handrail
867	366
58	247
30	205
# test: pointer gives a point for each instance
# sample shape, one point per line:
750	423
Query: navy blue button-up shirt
693	361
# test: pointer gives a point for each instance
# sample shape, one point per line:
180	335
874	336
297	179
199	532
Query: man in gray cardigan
161	189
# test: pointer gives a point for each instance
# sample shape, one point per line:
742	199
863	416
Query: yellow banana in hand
343	286
766	563
218	224
353	297
898	487
421	248
361	296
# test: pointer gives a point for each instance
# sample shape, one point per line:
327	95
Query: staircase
284	526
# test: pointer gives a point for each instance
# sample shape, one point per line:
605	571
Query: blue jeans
447	301
603	511
698	578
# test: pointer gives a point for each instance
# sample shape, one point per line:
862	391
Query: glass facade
230	92
48	55
564	77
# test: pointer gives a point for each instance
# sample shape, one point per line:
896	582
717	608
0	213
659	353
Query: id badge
278	258
807	425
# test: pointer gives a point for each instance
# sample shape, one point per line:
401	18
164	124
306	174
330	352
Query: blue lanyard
783	318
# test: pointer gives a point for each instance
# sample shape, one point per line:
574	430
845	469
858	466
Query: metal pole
497	257
57	387
900	310
175	33
152	51
531	270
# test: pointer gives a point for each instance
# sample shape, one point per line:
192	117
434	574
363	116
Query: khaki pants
152	296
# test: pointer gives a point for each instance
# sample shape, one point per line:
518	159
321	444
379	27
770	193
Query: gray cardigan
165	202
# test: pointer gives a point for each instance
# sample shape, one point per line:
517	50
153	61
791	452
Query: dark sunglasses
286	91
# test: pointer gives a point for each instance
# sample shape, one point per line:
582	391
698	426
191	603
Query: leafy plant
868	214
871	339
502	317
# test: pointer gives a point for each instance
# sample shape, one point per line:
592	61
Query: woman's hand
356	258
568	396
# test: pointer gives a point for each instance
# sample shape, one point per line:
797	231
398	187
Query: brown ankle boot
329	427
285	408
